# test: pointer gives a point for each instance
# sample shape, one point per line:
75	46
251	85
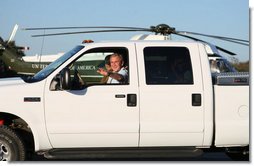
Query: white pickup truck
65	113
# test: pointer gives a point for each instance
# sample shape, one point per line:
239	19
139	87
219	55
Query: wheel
11	146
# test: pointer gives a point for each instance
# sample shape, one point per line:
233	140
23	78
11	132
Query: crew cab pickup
171	105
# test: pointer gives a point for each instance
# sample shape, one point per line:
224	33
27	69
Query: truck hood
11	81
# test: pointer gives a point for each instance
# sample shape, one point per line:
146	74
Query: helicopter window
167	65
224	66
84	70
214	66
220	66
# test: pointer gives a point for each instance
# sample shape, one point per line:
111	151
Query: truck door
94	113
171	95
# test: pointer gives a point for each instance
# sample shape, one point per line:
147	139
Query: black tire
11	146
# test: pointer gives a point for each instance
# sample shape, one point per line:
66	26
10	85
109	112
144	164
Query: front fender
18	101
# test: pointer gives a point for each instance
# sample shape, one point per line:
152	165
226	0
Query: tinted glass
168	65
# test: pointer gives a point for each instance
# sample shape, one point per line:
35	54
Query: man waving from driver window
118	73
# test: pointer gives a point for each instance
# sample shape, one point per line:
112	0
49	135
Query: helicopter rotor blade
226	51
237	42
213	36
219	48
97	31
162	29
86	27
233	40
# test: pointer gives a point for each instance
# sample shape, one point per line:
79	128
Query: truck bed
231	96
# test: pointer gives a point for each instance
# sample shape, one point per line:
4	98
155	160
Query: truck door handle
196	99
120	96
131	100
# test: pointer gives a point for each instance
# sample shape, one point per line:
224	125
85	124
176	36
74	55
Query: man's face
115	63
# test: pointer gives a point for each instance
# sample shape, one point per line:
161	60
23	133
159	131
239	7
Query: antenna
42	45
13	33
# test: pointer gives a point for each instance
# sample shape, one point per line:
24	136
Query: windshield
221	66
54	65
225	66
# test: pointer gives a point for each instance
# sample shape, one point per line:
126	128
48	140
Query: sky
228	18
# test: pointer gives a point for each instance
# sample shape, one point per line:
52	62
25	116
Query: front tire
11	146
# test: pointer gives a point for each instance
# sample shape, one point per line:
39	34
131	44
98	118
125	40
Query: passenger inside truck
116	72
84	70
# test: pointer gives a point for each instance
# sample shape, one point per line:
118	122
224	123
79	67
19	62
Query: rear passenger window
167	65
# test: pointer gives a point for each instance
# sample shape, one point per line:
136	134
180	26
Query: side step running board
123	153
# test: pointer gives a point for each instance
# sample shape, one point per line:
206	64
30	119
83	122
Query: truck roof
210	48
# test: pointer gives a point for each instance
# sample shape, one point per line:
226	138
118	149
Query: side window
167	65
86	70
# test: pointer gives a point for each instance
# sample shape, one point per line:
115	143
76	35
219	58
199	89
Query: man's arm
116	76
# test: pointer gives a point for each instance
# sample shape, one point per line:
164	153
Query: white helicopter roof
210	48
42	58
149	37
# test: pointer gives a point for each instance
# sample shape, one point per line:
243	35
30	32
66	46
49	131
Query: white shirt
122	72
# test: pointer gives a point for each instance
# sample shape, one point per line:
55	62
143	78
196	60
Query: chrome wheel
11	146
4	152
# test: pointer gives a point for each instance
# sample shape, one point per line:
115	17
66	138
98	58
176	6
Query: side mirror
65	79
